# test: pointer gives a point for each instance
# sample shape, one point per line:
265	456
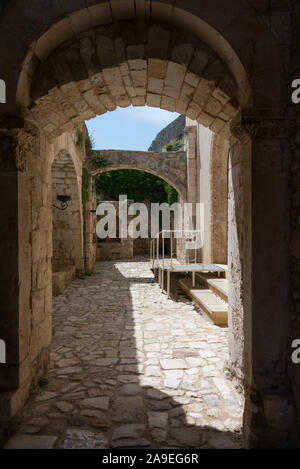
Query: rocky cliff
169	134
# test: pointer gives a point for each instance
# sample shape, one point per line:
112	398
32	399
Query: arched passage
125	64
260	169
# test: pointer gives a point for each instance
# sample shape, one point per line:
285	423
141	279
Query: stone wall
28	349
239	251
219	199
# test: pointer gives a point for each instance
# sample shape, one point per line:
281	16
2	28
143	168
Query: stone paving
131	368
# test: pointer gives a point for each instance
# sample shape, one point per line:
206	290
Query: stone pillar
239	249
219	199
25	319
9	265
269	419
191	153
89	226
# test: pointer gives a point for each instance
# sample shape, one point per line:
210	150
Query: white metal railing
174	235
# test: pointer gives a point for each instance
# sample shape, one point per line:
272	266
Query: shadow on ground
131	369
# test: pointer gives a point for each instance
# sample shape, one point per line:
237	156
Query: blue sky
131	128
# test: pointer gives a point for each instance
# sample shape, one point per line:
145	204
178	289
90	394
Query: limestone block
120	50
100	14
181	107
122	101
193	110
139	78
182	53
217	125
202	93
228	86
229	109
174	79
43	47
113	79
162	11
153	100
80	21
155	85
220	96
191	79
168	103
187	92
157	68
215	72
213	106
131	91
106	51
20	441
158	42
62	70
140	91
199	62
124	69
38	243
138	101
87	52
136	51
93	102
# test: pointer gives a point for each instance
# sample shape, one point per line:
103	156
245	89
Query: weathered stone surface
31	442
83	439
96	402
128	431
120	404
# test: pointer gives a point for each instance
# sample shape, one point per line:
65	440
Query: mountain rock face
169	134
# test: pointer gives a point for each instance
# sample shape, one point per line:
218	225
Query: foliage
172	195
99	161
178	145
83	275
89	142
83	139
137	185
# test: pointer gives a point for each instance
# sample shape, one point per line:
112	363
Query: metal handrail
154	246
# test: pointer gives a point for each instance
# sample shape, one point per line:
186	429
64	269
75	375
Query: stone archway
119	66
67	235
64	94
169	166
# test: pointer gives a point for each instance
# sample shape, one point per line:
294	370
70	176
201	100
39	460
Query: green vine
99	160
84	140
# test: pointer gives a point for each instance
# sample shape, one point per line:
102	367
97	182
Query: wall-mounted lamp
63	199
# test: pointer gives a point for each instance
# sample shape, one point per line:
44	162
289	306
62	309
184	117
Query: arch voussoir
109	66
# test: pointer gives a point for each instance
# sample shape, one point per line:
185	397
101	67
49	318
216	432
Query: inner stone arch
67	236
170	166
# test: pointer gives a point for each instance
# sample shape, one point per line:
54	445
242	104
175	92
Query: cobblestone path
131	368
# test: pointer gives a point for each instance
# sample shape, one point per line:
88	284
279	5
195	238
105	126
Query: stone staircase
210	294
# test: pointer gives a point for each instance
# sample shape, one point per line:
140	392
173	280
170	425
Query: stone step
219	286
213	306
